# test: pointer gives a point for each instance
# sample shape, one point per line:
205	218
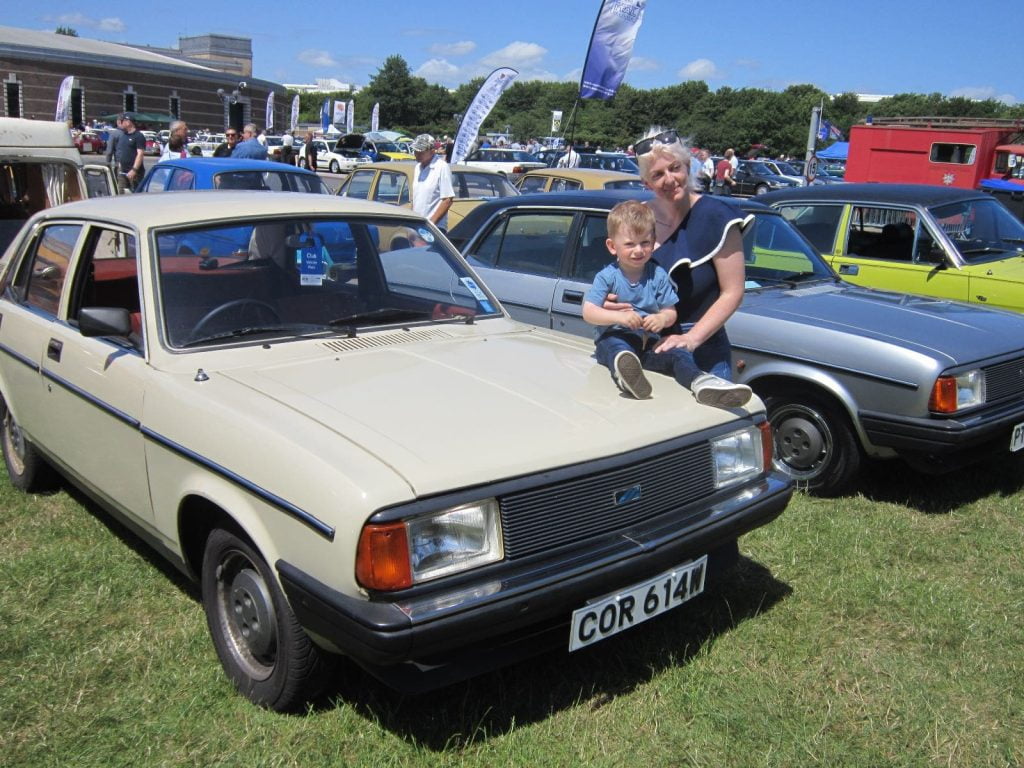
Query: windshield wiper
382	315
234	333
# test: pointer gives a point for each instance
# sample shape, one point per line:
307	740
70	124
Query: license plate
86	146
610	615
1017	438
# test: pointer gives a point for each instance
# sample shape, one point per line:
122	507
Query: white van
40	168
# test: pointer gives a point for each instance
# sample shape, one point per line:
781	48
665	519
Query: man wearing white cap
432	190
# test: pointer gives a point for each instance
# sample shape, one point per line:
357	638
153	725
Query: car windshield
273	181
294	277
787	169
388	146
981	229
774	252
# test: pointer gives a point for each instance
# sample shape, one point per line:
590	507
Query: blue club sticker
312	270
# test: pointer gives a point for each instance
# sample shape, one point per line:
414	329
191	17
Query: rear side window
392	188
529	242
532	184
159	178
41	278
818	223
359	185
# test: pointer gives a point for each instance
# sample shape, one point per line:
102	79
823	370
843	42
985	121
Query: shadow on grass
494	703
895	482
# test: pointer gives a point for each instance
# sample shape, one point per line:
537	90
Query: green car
935	241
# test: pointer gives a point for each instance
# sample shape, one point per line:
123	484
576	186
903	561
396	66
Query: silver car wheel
246	615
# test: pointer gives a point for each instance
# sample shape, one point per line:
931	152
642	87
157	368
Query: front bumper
943	436
516	599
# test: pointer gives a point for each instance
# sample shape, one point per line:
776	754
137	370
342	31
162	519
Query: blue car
230	173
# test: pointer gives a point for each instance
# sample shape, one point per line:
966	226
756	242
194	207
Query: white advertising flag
556	120
294	122
64	99
339	113
270	112
375	118
480	108
351	119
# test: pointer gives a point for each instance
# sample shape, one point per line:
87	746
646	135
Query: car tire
814	443
761	189
262	647
28	470
335	168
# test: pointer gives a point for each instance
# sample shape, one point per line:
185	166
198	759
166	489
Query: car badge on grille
627	495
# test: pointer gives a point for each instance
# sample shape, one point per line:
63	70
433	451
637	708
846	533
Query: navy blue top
687	254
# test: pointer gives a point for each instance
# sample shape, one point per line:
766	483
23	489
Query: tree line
741	118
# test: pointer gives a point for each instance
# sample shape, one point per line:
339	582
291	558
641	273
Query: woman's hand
675	341
612	302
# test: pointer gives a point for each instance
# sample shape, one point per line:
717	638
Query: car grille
1004	380
574	510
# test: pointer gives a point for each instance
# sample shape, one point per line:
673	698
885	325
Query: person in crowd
569	159
114	134
287	149
628	339
310	152
432	190
177	143
131	152
227	147
698	241
707	171
250	146
724	171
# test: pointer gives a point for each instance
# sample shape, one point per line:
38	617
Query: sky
860	46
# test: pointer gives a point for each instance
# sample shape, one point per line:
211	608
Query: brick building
111	78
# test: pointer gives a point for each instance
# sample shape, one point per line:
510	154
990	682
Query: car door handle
849	269
572	297
53	350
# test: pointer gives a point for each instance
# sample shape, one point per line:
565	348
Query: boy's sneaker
712	390
629	375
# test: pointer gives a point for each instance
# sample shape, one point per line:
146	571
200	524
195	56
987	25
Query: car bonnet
466	407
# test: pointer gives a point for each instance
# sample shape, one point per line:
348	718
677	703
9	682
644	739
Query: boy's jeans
713	356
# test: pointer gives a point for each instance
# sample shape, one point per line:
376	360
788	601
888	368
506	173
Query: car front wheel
814	444
261	645
761	189
28	470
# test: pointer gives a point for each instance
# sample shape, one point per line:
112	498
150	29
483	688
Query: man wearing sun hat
432	190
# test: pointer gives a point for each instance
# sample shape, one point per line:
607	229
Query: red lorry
953	151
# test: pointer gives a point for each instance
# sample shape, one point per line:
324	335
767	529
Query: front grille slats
575	510
1004	380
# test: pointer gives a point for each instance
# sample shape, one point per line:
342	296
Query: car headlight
741	455
954	393
397	555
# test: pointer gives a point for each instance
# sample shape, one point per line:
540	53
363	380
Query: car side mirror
105	321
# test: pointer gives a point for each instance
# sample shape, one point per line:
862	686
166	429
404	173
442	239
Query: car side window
818	223
392	188
477	185
107	276
359	184
182	179
886	234
41	277
565	185
592	253
533	243
159	179
532	184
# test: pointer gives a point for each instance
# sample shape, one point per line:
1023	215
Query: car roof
901	194
599	199
218	164
199	206
407	165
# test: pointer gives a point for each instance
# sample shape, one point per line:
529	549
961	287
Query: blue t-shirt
687	254
651	294
251	149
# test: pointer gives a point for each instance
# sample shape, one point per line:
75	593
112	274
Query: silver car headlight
954	393
397	555
740	455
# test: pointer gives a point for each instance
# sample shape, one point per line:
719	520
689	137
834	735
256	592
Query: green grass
884	628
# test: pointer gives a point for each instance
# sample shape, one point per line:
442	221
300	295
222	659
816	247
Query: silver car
845	372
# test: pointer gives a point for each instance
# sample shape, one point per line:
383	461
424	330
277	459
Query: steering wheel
228	306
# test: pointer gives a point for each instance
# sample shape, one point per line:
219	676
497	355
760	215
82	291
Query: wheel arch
199	515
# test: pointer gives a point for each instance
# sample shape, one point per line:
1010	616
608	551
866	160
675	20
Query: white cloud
981	93
113	24
439	71
460	48
700	69
642	64
518	55
317	58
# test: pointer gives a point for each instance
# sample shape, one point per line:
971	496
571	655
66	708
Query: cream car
311	406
